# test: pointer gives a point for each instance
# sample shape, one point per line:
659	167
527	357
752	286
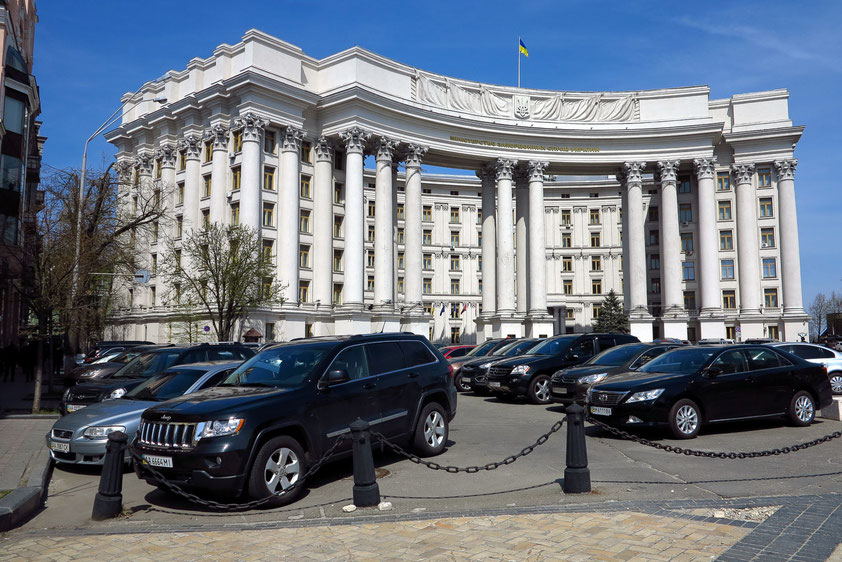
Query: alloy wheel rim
836	384
687	419
434	429
804	408
542	390
282	470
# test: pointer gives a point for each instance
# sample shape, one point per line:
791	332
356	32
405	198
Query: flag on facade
522	47
442	309
464	308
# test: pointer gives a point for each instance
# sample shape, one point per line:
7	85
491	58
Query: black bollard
577	475
366	489
108	502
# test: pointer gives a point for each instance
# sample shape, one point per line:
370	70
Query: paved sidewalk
22	449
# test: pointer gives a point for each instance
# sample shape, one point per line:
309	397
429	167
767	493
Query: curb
17	506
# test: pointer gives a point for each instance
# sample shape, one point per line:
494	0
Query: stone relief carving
705	167
144	162
167	154
323	149
786	168
191	144
354	139
291	139
414	154
251	125
742	173
219	135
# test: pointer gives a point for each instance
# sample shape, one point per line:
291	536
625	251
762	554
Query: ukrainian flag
522	47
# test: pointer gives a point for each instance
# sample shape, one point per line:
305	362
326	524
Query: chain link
715	454
469	469
221	506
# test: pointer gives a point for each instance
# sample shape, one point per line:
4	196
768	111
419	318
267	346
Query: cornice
760	134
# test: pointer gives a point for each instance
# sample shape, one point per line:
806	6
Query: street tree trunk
39	364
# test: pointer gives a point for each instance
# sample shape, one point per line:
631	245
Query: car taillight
450	368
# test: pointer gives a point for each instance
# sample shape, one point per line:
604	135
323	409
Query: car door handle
369	385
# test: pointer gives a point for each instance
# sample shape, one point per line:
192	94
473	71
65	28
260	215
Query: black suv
258	431
151	362
529	374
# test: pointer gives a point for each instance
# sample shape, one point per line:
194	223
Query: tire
432	431
685	419
539	390
461	386
836	383
279	464
802	409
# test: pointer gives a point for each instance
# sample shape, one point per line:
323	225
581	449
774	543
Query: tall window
337	260
567	264
567	286
306	149
690	300
764	177
237	145
269	141
597	310
304	256
595	240
268	214
594	216
596	263
177	264
723	181
337	294
427	286
266	287
566	240
454	215
724	210
155	228
654	237
684	186
596	286
401	211
268	250
179	198
569	314
205	218
371	208
455	335
454	286
369	258
427	261
685	212
305	187
767	237
770	298
766	207
770	268
339	193
179	226
182	160
726	240
565	217
303	291
206	185
688	270
269	178
337	227
369	283
400	285
235	214
401	236
727	269
729	299
427	213
304	222
158	169
479	216
454	238
208	152
455	263
401	260
371	233
655	261
686	241
154	262
652	214
236	174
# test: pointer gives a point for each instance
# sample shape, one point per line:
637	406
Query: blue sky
89	53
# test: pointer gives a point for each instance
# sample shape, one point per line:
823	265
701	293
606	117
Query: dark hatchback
474	374
280	411
529	374
687	387
571	385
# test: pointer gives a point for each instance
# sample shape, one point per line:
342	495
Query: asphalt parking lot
487	430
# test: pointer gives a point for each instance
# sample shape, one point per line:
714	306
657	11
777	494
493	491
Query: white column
636	238
788	238
624	229
489	242
505	243
748	258
670	239
413	256
521	240
250	174
711	321
537	248
192	145
323	223
384	252
288	213
218	134
355	139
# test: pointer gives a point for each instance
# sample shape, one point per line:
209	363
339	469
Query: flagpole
518	61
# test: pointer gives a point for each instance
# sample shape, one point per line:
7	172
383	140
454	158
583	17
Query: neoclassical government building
682	204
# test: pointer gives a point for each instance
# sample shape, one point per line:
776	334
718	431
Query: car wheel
802	409
431	431
278	466
685	420
463	386
836	383
539	390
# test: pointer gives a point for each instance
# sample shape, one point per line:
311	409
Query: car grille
169	435
496	372
62	433
83	397
606	397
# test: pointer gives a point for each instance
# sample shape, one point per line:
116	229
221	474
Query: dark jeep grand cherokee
258	431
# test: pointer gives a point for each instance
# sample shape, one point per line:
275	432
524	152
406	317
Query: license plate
600	411
60	447
560	390
162	462
466	379
494	385
74	407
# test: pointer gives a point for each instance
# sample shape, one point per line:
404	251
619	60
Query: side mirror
714	371
335	377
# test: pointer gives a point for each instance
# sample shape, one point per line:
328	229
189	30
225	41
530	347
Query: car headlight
117	393
645	396
91	373
485	365
101	431
218	428
520	370
592	379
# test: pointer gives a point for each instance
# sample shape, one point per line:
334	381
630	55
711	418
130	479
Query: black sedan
474	374
571	385
686	387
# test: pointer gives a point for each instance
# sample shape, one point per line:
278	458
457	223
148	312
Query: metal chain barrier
715	454
469	469
221	506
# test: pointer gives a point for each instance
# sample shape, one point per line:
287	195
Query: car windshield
147	364
686	361
505	348
519	348
165	386
552	347
617	356
286	366
482	350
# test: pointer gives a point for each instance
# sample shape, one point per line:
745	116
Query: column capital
668	170
251	124
535	169
191	144
742	172
323	149
414	154
486	172
144	162
786	168
124	170
218	134
354	139
385	149
167	153
632	172
291	139
705	167
505	168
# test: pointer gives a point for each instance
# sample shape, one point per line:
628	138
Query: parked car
100	369
482	350
145	365
455	351
474	374
80	437
572	384
715	341
257	432
529	374
830	358
690	386
101	347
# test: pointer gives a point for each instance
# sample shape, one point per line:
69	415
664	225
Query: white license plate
600	411
60	447
466	379
494	385
162	462
560	390
74	407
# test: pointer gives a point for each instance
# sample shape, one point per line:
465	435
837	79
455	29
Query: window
684	186
690	300
595	240
569	314
770	298
152	294
594	216
270	331
567	286
454	192
337	227
454	335
596	263
266	287
688	270
724	210
566	240
655	286
427	286
455	263
235	178
770	268
269	178
767	237
596	286
772	333
206	185
238	141
369	259
454	215
731	332
369	285
182	160
687	242
427	213
179	197
454	286
428	309
304	222
179	226
268	250
178	264
338	193
337	261
371	233
306	149
158	168
305	187
479	216
723	181
654	237
685	212
454	239
304	256
154	232
653	214
304	291
764	177
479	238
400	284
154	263
565	217
401	211
235	214
371	208
205	218
337	294
655	261
726	240
567	264
268	215
427	261
729	299
208	151
401	260
269	142
766	207
401	236
727	269
596	311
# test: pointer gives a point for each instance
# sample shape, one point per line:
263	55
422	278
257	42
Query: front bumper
568	393
81	450
513	385
637	414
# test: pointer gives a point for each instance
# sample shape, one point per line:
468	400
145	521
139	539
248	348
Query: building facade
682	204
